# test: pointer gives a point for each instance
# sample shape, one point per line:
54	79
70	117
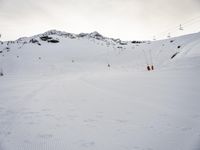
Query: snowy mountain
85	91
55	51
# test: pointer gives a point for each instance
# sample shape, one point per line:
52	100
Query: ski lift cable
106	56
191	23
175	46
191	20
197	28
180	28
184	43
186	23
151	58
145	56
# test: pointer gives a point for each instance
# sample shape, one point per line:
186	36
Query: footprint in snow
121	121
46	109
5	133
45	136
99	116
141	148
196	116
49	115
2	108
186	128
90	120
88	144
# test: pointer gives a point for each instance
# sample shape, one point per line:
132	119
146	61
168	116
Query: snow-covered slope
56	52
59	93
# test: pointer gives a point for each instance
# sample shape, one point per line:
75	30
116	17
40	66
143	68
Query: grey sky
126	19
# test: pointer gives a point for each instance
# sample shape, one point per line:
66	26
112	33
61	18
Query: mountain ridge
94	35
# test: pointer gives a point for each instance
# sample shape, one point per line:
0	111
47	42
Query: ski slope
58	96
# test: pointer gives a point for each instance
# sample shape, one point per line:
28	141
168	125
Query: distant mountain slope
57	52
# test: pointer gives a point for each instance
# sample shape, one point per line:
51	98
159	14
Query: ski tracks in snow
16	109
80	112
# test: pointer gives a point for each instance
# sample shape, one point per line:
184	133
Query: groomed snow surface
63	96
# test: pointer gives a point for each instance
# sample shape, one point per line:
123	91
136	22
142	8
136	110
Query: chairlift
180	27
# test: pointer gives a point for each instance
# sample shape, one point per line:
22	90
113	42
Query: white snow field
58	93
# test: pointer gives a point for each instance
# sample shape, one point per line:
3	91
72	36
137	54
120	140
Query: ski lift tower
169	35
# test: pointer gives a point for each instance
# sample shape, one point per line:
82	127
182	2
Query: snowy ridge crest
54	35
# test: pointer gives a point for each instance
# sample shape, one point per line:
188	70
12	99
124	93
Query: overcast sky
125	19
